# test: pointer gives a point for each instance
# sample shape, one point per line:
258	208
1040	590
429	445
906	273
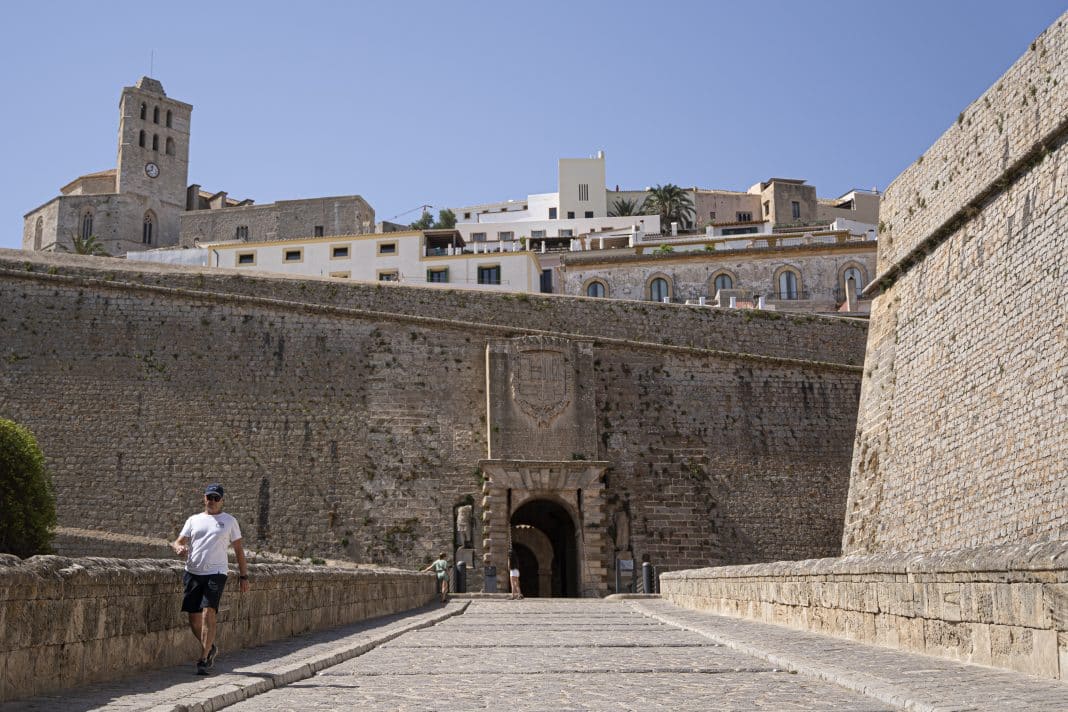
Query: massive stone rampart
962	435
348	420
69	622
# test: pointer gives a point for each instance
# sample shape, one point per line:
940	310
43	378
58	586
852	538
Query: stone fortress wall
962	437
958	504
348	419
281	220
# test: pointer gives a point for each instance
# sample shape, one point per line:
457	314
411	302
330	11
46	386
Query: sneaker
210	660
202	667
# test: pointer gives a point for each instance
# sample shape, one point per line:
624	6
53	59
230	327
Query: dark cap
214	489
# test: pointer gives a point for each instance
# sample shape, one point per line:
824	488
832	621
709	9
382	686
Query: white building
431	257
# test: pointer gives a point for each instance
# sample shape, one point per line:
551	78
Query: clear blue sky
452	103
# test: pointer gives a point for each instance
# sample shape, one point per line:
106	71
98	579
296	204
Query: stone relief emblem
541	383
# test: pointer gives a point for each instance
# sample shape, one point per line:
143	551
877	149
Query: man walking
204	540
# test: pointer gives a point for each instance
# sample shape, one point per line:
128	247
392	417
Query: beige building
806	272
145	203
787	203
136	205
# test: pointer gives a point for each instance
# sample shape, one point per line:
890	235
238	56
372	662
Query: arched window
658	289
148	228
141	139
168	118
788	284
170	146
595	289
724	281
155	142
38	233
853	274
87	225
144	111
155	114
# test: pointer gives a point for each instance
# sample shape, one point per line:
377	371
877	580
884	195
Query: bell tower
153	161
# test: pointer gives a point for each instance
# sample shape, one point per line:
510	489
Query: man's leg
207	634
196	622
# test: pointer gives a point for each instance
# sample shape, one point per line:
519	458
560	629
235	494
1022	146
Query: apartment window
339	252
658	289
535	234
147	228
795	209
490	274
293	255
552	213
169	119
744	216
506	235
246	258
341	275
570	214
595	289
438	276
767	208
241	233
389	276
318	230
478	237
387	248
565	233
467	216
584	191
711	214
589	214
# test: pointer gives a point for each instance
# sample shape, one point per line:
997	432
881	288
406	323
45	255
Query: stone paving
567	654
561	655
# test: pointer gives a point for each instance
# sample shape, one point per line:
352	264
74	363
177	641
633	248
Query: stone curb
901	696
228	693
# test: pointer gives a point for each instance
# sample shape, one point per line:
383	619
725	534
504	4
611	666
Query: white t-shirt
209	538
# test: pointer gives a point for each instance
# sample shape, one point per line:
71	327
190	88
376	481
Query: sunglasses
213	497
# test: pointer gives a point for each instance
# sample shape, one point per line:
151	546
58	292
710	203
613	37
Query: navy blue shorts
202	592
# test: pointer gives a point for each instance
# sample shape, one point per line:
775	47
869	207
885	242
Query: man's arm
181	546
242	566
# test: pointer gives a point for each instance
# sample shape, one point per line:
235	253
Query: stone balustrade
1003	606
67	622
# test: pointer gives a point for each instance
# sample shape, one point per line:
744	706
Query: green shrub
27	502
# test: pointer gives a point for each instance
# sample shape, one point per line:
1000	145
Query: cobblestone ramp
558	655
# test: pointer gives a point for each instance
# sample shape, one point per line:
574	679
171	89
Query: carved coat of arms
541	383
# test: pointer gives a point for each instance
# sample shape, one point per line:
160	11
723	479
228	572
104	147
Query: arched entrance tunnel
545	546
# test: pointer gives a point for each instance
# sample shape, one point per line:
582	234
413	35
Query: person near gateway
204	541
441	568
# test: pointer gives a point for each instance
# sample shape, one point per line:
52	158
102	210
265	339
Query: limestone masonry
356	420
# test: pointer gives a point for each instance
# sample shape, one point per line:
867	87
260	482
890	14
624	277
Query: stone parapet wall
1004	606
764	334
67	622
1023	111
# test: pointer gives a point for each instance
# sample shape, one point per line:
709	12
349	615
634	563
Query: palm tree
623	206
670	202
86	246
